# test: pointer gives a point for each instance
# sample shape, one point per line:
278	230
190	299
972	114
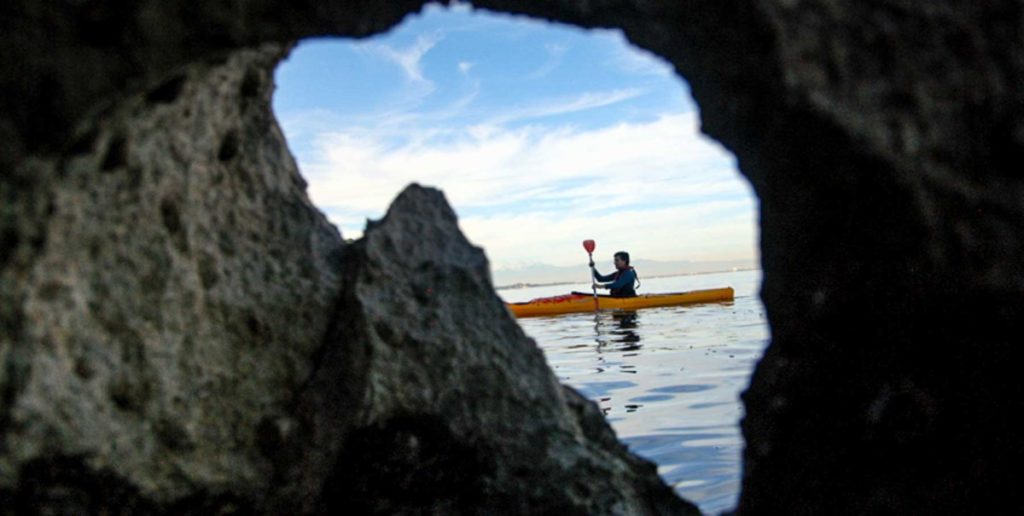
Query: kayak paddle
589	246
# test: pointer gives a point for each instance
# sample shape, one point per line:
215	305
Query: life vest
628	290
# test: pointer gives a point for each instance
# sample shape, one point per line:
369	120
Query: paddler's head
622	260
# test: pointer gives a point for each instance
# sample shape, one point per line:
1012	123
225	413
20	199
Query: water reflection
668	380
617	331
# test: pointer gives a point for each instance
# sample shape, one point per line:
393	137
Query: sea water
667	379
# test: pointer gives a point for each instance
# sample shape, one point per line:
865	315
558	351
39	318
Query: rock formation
180	330
433	397
184	331
166	282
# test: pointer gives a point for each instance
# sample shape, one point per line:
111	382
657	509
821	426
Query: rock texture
433	398
175	334
165	286
173	328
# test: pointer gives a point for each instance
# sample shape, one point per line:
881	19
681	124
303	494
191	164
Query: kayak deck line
576	302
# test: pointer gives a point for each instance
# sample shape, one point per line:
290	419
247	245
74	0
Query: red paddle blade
588	245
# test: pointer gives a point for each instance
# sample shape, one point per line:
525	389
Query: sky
540	136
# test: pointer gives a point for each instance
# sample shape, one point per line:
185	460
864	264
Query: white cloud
555	54
565	105
410	58
658	188
679	232
526	189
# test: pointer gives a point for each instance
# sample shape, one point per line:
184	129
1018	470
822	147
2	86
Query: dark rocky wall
438	400
171	305
164	288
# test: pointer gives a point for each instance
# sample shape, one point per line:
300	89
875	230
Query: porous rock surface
183	332
170	302
434	399
166	282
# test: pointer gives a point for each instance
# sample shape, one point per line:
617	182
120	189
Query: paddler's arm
626	278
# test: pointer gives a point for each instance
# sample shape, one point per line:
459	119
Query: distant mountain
548	274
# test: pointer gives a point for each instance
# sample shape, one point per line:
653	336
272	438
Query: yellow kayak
583	302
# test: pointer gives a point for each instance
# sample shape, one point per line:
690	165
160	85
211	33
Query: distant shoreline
555	283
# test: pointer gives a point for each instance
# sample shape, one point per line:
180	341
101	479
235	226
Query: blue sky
540	135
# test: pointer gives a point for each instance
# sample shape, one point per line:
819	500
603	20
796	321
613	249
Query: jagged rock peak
458	410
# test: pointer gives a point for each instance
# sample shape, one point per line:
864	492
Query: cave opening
542	135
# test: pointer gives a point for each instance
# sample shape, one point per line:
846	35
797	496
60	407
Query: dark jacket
621	282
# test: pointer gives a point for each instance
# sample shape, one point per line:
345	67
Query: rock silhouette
180	328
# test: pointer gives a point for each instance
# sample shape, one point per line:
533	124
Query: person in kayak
619	283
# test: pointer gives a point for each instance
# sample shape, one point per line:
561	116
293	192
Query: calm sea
667	379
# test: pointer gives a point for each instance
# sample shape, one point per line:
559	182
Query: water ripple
667	379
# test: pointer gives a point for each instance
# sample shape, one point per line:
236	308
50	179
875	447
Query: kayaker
619	283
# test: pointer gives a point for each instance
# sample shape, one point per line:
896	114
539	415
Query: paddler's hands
591	264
